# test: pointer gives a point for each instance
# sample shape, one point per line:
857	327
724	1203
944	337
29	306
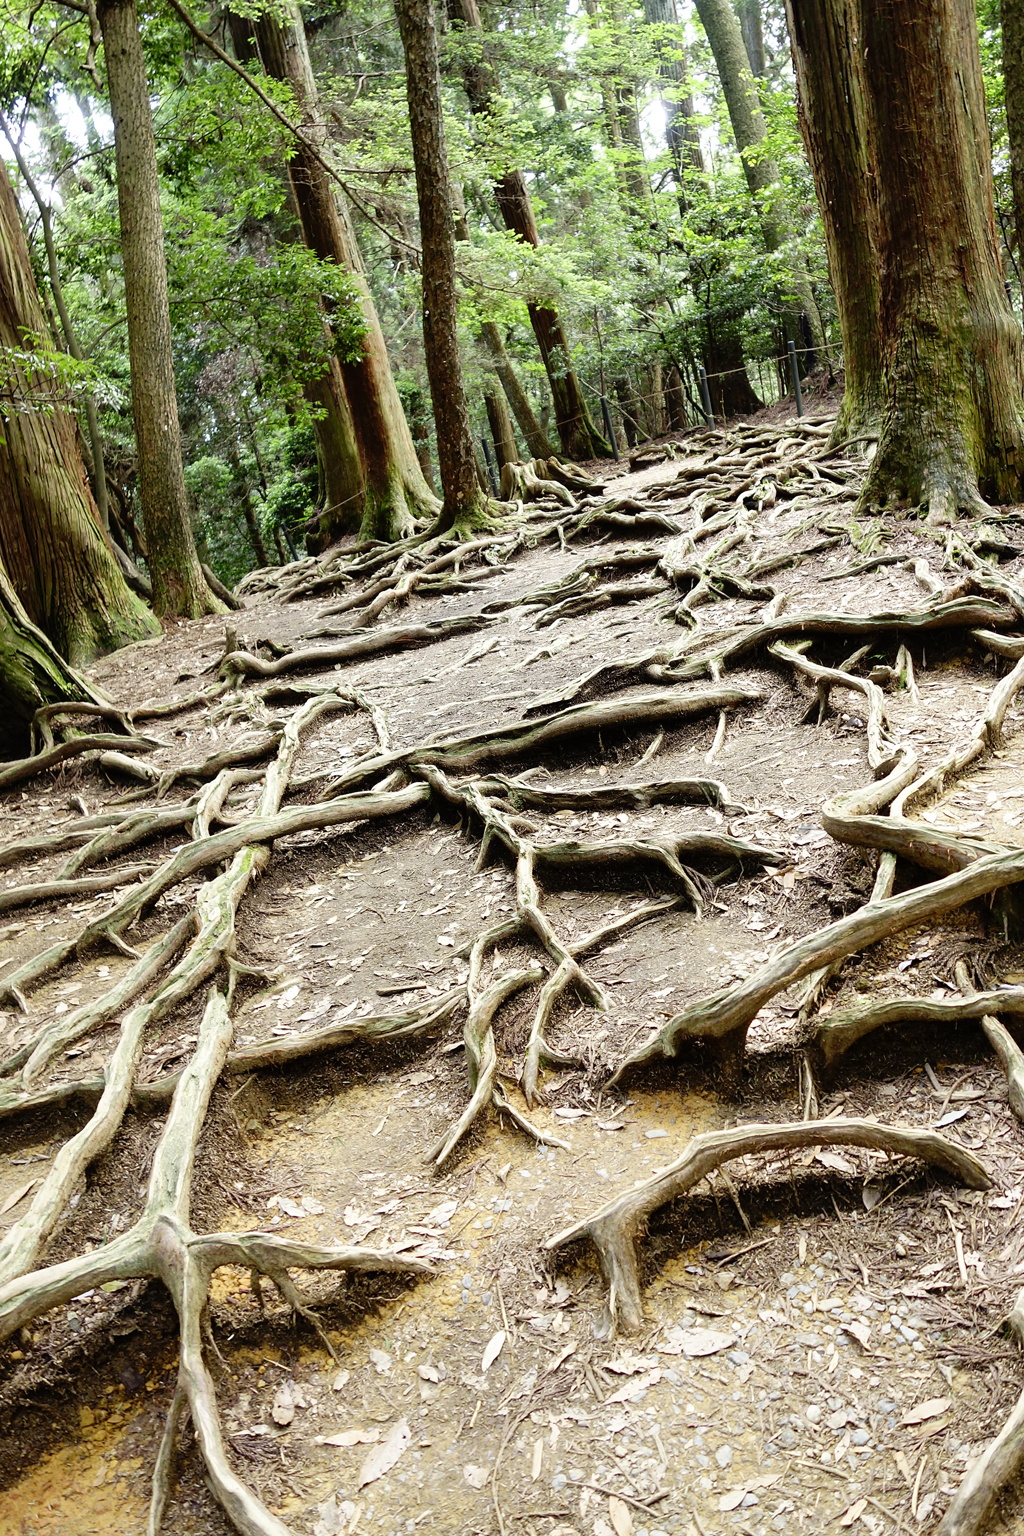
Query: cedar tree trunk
380	446
732	393
681	137
722	26
579	438
953	371
823	36
57	556
31	673
518	399
499	419
179	586
464	505
1013	89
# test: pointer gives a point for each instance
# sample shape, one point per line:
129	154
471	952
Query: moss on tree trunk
58	557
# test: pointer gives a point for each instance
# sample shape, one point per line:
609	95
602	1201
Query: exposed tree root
163	1245
723	1018
846	1027
614	1229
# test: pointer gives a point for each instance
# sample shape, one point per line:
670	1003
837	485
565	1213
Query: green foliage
580	97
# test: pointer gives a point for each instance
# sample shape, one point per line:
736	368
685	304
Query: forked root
614	1229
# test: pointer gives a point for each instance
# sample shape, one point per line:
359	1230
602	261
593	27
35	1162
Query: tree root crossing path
522	1034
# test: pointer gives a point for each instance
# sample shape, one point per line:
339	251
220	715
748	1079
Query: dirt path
820	1342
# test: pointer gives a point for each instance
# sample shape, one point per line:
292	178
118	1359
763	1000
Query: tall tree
1013	90
56	553
579	438
831	104
722	26
464	503
681	136
179	586
395	490
952	371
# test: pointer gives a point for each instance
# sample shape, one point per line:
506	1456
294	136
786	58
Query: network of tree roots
719	708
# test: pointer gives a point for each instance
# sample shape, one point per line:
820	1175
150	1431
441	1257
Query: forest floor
821	1342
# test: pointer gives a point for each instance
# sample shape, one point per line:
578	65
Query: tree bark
953	371
57	556
464	505
722	26
1013	88
379	449
752	28
518	399
681	137
823	36
179	587
31	673
579	438
732	393
499	418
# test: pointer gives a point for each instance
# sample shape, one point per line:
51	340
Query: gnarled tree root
162	1245
970	1513
723	1018
843	1029
615	1227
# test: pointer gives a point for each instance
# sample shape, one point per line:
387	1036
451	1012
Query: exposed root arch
615	1227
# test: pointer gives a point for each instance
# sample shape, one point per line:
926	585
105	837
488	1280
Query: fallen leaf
493	1350
476	1477
312	1207
16	1195
705	1341
380	1361
428	1373
283	1409
441	1214
570	1349
350	1437
634	1388
929	1410
859	1331
933	1427
286	1205
384	1456
834	1161
732	1500
620	1516
630	1365
538	1460
854	1512
340	1381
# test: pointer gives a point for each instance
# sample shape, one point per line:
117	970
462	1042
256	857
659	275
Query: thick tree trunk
31	673
463	503
752	28
379	448
499	419
675	400
533	432
681	137
51	542
98	474
952	356
579	438
1013	89
179	586
823	36
732	393
722	26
